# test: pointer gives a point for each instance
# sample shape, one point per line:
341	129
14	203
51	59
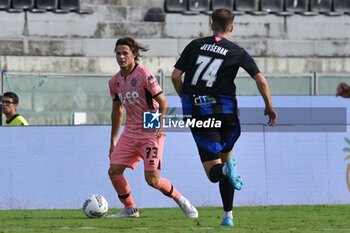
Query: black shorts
213	141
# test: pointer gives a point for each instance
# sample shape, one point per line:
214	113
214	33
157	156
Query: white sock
224	170
227	214
182	199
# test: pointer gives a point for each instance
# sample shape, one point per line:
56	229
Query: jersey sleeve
113	89
152	85
248	63
23	121
182	62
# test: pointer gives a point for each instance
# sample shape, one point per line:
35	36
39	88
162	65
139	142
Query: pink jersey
136	93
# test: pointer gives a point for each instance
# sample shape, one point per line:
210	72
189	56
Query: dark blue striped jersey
211	65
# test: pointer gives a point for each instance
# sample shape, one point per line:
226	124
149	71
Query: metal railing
55	99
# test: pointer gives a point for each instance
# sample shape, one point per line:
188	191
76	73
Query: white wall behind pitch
59	166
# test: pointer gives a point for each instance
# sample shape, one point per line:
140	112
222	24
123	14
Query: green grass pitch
278	219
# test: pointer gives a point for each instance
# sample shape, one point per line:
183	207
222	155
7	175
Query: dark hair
134	46
222	20
13	96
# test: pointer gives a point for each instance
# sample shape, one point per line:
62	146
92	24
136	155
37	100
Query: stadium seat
46	4
41	6
274	7
341	6
244	5
247	6
4	4
199	6
217	4
298	7
323	7
20	5
175	6
65	6
155	14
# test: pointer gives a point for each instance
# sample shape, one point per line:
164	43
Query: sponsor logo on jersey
203	100
130	97
154	84
133	82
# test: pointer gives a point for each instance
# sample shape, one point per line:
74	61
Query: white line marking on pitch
335	229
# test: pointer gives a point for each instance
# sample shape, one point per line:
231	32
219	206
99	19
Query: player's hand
160	132
111	149
343	90
271	113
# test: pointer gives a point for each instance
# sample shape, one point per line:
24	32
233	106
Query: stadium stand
323	7
175	6
244	5
217	4
260	7
341	6
287	50
199	6
41	6
274	7
21	5
4	4
66	6
298	7
155	14
247	6
46	4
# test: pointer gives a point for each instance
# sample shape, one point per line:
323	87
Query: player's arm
163	107
177	81
264	90
117	118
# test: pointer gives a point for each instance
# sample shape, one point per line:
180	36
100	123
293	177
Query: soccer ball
95	206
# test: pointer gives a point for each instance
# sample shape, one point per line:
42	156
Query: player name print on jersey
214	48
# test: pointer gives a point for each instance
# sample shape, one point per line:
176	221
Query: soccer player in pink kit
138	90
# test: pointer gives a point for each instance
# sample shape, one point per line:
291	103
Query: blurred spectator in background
9	108
343	90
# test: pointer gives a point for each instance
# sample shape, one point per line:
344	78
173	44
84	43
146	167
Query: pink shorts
129	151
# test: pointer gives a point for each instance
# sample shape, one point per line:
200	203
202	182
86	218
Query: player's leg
232	179
123	190
227	195
209	147
154	179
215	146
123	156
152	152
217	172
214	170
229	137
